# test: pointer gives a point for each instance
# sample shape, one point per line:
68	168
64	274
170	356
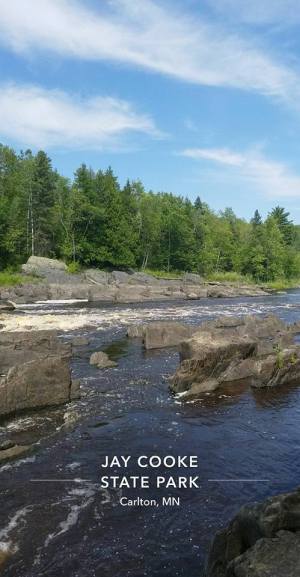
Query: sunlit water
71	527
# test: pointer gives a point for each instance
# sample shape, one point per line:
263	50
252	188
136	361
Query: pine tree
285	225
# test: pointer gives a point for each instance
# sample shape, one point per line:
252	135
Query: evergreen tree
256	220
285	225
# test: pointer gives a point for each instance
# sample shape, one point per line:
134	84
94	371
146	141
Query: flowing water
56	520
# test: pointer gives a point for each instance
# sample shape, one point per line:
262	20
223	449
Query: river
56	520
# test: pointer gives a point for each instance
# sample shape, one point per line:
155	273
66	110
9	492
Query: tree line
93	221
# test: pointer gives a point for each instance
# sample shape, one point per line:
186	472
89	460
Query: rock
6	306
105	293
229	291
97	276
192	278
40	266
21	346
38	383
197	292
75	390
119	277
136	331
71	417
277	369
205	359
262	540
80	341
227	350
130	293
166	334
36	367
101	360
7	444
142	278
13	452
277	557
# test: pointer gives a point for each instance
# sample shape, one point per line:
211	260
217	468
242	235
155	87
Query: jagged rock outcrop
259	349
263	540
35	369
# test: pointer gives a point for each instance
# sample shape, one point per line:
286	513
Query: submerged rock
263	540
101	360
259	349
80	341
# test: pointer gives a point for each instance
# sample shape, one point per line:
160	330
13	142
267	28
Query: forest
93	221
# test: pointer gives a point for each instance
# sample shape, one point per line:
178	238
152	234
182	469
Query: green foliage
8	278
93	221
232	276
74	267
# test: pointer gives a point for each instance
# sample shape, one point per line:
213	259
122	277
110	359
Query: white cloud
149	35
36	117
259	12
274	179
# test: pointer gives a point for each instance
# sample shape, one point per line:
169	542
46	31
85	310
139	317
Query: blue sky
195	97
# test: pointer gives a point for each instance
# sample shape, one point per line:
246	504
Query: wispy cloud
258	12
36	117
150	35
274	179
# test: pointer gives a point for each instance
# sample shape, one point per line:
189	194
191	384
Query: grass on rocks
9	278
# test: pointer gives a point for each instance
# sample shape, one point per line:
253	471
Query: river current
57	521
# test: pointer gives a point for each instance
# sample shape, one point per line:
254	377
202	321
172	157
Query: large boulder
259	349
37	383
35	369
165	334
40	266
263	540
20	347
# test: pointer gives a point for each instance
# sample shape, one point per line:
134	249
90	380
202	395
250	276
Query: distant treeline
93	221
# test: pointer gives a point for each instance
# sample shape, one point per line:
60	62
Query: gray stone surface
35	369
259	349
136	331
262	540
192	278
166	334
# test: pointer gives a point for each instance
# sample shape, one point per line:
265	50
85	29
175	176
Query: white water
101	318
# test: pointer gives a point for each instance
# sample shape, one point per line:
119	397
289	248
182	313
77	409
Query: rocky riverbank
55	283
